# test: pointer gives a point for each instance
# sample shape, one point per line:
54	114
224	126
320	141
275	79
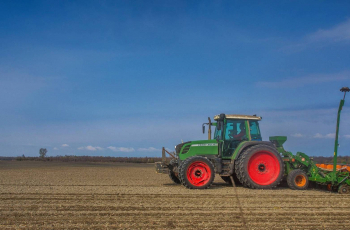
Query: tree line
329	160
73	158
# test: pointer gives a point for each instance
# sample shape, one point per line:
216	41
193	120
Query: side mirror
203	128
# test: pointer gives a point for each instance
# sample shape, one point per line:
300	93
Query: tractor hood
195	147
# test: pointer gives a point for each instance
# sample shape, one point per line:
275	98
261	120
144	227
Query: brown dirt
132	196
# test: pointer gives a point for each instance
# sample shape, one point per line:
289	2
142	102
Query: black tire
344	189
298	180
172	175
200	170
265	164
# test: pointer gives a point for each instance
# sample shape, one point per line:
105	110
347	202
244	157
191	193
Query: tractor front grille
179	146
186	149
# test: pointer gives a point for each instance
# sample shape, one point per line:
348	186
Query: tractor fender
241	147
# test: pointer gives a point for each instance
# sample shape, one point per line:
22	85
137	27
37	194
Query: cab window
218	134
255	131
235	130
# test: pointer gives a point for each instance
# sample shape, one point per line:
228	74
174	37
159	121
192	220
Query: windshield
235	130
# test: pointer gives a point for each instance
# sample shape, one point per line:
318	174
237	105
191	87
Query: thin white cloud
297	135
150	149
65	145
329	135
347	136
55	148
306	80
121	149
340	32
336	34
90	148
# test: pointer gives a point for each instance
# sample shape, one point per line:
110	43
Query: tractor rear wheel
173	176
298	180
197	173
259	167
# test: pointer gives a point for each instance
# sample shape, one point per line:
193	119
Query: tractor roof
240	117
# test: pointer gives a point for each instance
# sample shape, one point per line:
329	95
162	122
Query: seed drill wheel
172	175
344	189
260	167
197	173
298	180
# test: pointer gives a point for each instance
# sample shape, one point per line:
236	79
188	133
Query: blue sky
124	78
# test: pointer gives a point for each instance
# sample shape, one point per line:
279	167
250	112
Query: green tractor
237	153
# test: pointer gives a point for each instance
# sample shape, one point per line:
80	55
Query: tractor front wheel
298	180
197	173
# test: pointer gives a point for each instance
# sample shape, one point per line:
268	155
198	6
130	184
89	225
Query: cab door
235	133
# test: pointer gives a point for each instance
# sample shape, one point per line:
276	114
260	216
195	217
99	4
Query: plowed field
132	196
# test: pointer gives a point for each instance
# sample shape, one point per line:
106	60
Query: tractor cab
233	129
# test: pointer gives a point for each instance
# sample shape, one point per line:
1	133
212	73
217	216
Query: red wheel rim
264	168
198	173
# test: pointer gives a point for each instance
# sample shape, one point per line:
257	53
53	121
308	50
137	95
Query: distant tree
42	152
